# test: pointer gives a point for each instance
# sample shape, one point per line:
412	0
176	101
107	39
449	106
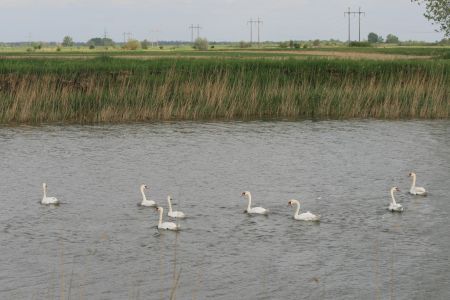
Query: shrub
201	44
132	45
360	44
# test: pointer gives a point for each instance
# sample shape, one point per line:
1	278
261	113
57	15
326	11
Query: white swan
48	200
253	210
394	206
174	214
307	216
166	225
146	202
415	190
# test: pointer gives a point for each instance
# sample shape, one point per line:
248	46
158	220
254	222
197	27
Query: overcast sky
221	20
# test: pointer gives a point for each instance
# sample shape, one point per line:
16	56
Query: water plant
121	90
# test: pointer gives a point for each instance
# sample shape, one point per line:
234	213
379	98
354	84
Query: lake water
98	244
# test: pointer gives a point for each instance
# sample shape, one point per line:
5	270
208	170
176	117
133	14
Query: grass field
384	52
123	90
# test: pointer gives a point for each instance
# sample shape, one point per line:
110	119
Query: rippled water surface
98	244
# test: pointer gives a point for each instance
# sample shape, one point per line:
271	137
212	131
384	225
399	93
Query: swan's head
44	185
292	202
144	186
246	193
159	209
412	174
169	198
395	189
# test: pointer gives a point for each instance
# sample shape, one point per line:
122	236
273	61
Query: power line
359	13
258	21
251	29
192	27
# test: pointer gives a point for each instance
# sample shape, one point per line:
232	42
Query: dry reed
113	90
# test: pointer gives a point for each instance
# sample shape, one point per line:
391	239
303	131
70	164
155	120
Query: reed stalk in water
121	90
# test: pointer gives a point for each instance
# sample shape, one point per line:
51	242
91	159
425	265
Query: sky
220	20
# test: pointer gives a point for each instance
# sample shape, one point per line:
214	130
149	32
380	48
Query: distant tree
316	43
132	45
101	42
37	46
372	38
201	44
391	39
297	45
380	39
91	46
145	44
243	44
67	41
438	12
291	44
284	44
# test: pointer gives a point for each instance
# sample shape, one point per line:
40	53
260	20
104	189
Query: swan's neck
414	181
45	191
297	210
170	204
160	217
249	201
392	196
143	195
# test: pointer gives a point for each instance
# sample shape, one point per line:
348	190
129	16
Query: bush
360	44
243	44
201	44
284	45
91	46
316	43
58	49
297	45
132	45
372	38
391	39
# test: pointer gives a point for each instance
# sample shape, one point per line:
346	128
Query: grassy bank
121	90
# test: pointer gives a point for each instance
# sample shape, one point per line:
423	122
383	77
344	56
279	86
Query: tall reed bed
121	90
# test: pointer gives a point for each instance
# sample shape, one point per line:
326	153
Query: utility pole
359	13
251	30
359	22
198	30
348	13
192	27
192	32
258	22
153	37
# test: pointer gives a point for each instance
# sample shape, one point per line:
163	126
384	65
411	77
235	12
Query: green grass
122	90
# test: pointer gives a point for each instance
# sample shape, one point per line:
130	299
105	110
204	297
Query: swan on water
146	202
416	190
253	210
48	200
307	216
166	225
174	214
394	206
